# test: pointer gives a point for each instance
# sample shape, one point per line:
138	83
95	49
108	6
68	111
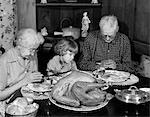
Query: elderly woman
18	66
106	48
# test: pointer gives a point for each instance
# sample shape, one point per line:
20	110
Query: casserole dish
132	95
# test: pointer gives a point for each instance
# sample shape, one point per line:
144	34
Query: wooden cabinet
55	16
33	14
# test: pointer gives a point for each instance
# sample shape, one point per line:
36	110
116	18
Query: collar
13	55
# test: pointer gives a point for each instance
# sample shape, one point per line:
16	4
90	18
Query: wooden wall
26	13
142	26
134	17
52	16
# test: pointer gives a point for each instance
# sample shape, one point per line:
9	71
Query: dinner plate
119	77
39	87
129	81
26	92
82	107
115	76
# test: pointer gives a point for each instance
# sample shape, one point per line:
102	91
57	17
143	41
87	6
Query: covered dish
132	95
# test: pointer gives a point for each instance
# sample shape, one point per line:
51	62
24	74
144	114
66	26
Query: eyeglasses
109	36
31	50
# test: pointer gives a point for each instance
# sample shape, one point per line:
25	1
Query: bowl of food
21	107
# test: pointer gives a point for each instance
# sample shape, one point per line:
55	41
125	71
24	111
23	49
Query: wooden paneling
143	5
26	13
134	16
141	48
142	26
45	18
124	10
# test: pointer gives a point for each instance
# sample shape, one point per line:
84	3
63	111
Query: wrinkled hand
108	64
33	77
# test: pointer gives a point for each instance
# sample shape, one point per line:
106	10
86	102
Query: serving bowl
21	108
132	95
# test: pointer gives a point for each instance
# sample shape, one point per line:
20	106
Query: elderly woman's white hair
28	37
109	23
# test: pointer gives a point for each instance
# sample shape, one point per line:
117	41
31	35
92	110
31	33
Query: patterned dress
11	67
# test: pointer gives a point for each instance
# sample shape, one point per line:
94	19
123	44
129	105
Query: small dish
26	92
145	89
132	95
38	87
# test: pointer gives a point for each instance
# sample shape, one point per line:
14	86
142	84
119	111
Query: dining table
114	108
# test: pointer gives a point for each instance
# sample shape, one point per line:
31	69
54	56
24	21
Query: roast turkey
66	91
89	94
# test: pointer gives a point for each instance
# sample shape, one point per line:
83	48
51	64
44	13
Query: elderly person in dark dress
106	48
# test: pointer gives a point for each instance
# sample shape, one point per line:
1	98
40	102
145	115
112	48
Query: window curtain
8	23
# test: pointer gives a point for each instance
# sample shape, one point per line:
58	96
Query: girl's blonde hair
66	45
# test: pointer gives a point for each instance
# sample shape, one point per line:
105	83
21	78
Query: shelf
50	15
69	4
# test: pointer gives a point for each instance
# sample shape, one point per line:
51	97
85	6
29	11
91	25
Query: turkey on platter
79	88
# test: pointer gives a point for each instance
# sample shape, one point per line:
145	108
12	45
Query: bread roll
15	110
21	101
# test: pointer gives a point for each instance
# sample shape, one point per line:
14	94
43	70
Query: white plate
82	108
145	89
38	87
115	76
119	77
26	92
130	81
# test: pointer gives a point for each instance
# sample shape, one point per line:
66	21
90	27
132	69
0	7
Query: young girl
63	62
